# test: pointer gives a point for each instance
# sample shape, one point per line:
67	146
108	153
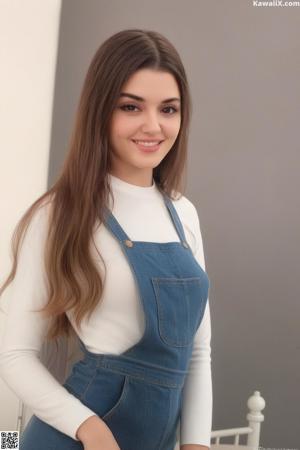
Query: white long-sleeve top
116	324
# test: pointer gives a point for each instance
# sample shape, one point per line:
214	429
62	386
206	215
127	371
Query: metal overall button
128	243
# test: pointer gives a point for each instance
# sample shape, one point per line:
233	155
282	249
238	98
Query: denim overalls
139	392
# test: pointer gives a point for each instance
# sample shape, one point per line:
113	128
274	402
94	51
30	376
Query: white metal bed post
255	404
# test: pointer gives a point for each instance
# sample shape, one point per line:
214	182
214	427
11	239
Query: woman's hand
96	435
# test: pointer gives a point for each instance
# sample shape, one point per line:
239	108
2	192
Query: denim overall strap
176	220
115	226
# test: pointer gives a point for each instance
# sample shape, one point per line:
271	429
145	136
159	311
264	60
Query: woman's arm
196	411
23	336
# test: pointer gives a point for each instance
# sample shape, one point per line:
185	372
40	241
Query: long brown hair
81	190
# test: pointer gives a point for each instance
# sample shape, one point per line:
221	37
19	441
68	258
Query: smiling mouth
136	141
147	146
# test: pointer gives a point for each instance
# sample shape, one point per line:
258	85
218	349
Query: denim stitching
183	372
82	396
119	401
147	379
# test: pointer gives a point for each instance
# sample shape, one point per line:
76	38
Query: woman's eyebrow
140	99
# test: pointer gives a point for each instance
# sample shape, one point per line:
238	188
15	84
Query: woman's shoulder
185	206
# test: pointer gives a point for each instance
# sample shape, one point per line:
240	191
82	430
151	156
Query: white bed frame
256	404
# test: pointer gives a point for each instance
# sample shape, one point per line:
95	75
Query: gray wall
244	70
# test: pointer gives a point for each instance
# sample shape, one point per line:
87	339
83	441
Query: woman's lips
147	148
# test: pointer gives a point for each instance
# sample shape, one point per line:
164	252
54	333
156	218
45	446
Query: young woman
114	252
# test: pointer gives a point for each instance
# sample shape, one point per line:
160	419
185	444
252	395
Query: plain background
243	66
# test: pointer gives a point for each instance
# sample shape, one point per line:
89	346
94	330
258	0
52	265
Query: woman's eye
171	107
125	108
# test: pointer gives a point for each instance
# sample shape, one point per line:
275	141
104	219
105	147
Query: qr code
10	439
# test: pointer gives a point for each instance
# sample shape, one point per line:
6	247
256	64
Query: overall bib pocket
180	306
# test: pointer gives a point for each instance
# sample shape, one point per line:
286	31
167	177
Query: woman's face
153	117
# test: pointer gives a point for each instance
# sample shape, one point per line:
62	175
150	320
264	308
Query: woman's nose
151	123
